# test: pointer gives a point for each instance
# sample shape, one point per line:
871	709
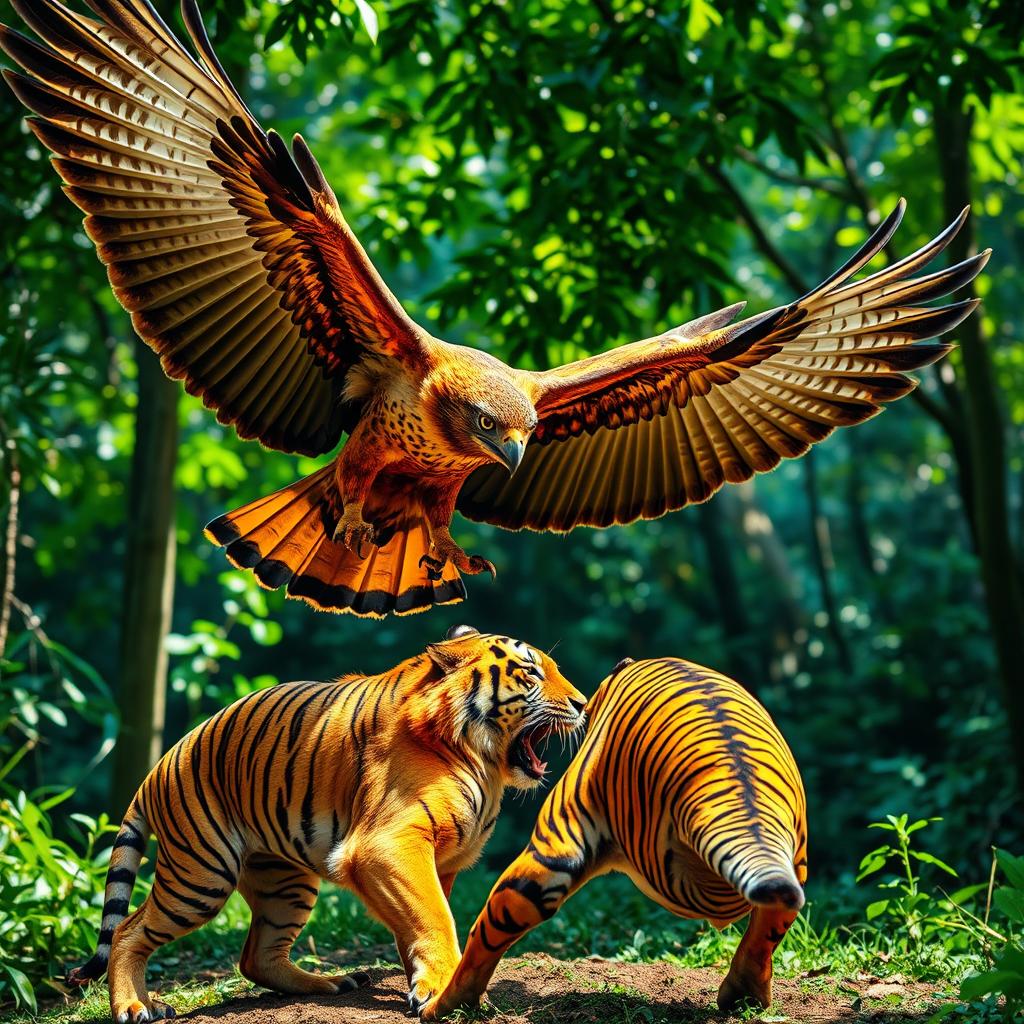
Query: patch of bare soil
539	989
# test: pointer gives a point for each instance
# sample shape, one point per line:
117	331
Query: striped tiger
388	785
684	784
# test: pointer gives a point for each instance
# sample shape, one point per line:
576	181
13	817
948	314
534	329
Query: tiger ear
448	656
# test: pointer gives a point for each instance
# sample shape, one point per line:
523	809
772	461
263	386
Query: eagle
231	253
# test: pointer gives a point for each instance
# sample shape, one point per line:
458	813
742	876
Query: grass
201	969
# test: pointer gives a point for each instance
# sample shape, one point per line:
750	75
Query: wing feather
663	423
229	251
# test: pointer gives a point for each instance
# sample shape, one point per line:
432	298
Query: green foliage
44	884
998	992
544	182
904	903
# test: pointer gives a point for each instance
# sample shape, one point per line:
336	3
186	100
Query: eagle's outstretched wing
650	427
230	252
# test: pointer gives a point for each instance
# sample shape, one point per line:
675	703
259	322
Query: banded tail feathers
286	539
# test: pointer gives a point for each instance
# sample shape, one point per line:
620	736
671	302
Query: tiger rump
388	785
684	784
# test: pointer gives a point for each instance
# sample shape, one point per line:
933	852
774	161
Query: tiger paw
444	1005
137	1012
419	997
739	990
350	982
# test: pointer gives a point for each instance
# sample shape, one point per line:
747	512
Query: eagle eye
485	422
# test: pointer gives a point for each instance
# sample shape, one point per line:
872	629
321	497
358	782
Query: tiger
388	785
683	783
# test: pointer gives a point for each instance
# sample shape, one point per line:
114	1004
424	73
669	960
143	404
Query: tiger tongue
537	766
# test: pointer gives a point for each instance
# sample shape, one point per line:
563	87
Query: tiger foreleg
396	877
750	975
529	892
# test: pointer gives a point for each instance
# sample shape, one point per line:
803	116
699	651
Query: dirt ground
543	990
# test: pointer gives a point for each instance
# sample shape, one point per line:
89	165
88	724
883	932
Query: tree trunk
824	563
751	524
742	659
148	580
986	440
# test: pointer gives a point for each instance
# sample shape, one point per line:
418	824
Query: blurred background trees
544	180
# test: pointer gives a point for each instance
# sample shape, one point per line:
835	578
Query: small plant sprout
903	902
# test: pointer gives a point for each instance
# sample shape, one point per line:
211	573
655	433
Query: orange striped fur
388	785
684	784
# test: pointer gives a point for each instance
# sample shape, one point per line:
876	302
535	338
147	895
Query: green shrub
44	886
1004	979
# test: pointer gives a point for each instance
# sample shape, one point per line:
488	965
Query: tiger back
683	783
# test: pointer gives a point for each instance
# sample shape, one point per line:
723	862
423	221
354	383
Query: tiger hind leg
281	896
182	899
750	975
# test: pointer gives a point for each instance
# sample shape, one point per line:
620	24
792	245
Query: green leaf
368	16
877	908
1013	868
23	994
928	858
266	632
1010	902
873	864
701	17
989	983
278	29
58	799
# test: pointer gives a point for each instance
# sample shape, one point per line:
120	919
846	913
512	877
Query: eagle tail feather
286	540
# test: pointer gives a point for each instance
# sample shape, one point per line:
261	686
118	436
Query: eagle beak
512	449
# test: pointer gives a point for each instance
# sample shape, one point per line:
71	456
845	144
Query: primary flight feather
232	256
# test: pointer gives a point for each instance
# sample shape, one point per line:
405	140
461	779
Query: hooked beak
512	449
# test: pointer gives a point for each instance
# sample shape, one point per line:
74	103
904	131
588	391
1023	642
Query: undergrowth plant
997	993
48	876
912	914
45	883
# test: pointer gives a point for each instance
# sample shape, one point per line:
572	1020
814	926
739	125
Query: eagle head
483	415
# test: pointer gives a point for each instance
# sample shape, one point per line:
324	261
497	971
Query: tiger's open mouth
523	753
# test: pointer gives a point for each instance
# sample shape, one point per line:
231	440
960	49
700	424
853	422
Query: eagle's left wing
650	427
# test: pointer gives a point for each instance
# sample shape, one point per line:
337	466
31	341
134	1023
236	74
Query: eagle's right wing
230	252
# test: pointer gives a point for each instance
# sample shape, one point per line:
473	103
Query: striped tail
125	858
774	885
285	538
756	857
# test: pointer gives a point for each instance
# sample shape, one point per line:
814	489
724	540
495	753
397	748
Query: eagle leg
353	530
444	549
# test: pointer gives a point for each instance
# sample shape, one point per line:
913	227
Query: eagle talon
478	564
353	532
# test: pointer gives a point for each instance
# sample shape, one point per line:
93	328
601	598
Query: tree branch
834	188
766	246
10	542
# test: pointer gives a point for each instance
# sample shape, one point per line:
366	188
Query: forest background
546	180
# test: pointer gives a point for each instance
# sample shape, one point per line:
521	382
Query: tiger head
504	699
